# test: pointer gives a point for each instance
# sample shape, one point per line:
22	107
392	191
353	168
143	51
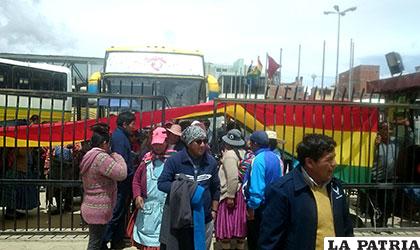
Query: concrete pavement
45	242
79	242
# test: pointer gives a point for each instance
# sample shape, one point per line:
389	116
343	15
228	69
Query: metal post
323	69
339	14
281	53
338	50
351	69
298	73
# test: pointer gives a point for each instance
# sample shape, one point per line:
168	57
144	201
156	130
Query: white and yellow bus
29	77
177	75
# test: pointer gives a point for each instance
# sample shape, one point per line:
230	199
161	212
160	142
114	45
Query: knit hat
260	137
159	136
233	138
193	133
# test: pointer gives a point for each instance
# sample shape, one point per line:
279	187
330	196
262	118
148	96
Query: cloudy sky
224	30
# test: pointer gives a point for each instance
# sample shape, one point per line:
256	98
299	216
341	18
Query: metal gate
41	148
51	196
390	203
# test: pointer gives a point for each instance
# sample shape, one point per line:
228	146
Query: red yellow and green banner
353	127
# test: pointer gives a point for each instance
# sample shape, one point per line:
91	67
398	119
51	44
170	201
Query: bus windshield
178	91
177	75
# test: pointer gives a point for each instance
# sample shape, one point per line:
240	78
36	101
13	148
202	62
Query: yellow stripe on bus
23	114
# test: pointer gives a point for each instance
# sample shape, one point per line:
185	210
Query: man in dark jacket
266	168
120	143
307	204
197	164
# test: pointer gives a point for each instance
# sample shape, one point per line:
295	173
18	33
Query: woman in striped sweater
100	172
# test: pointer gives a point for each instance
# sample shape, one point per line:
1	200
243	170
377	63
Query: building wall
217	70
360	76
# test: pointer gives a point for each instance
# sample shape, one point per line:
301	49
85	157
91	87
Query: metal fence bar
65	183
400	219
403	216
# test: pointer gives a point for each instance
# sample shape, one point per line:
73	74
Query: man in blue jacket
120	143
265	169
307	204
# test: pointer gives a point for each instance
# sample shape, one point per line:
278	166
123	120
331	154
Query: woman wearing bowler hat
231	217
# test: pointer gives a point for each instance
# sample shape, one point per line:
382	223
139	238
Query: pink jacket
100	173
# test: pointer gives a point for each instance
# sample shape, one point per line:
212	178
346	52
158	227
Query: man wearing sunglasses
196	164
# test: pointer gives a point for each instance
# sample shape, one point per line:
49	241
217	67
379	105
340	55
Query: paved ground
45	242
73	240
79	242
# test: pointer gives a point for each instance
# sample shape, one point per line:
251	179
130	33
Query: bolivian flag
353	127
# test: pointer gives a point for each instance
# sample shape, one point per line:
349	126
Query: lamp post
313	76
339	14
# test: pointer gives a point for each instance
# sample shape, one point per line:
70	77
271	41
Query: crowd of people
179	187
182	196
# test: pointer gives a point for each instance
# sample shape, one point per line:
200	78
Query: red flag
272	67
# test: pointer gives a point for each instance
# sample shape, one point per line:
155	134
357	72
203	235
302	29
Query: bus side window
63	82
36	80
21	78
59	82
23	83
47	81
41	80
5	78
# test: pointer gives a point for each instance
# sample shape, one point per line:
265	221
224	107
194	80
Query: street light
339	14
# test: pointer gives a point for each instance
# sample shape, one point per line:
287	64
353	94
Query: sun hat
159	135
175	129
233	138
273	135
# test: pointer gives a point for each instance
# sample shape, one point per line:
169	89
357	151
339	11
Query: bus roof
42	66
161	49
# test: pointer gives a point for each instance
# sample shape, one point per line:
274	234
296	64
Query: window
5	76
21	77
23	83
59	83
42	80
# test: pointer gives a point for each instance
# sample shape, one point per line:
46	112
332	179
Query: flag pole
281	53
351	64
323	69
266	77
298	73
